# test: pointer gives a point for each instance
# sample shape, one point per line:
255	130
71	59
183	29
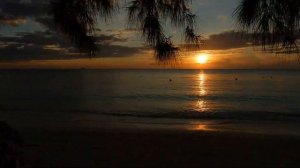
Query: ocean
231	95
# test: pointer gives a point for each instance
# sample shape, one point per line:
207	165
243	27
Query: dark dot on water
170	80
236	79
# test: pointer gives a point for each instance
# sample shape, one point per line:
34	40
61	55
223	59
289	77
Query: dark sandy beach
133	142
104	141
158	148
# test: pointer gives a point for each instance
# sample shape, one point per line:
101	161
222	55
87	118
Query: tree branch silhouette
273	23
77	20
146	15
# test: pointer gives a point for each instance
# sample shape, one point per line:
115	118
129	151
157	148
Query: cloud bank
47	46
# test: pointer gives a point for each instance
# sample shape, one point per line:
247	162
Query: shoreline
84	121
105	141
153	148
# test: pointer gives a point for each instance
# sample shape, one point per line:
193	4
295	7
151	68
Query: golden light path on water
201	105
202	91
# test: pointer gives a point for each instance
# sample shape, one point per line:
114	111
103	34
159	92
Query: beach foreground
153	148
81	140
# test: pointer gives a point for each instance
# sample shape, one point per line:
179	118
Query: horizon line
275	69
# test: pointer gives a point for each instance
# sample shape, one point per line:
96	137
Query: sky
26	41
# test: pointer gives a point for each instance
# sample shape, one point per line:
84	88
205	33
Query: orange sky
240	58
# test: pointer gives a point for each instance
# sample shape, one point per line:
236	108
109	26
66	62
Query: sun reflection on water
201	127
201	104
202	84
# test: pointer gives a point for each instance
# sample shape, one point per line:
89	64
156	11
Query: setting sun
202	58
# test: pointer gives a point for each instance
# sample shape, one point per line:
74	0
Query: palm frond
273	23
77	19
147	15
165	51
152	29
191	39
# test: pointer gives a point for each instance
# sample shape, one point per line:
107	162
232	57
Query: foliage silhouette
77	20
273	23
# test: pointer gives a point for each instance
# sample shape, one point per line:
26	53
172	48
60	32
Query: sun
202	58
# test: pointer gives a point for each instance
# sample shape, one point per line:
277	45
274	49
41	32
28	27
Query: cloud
11	20
232	39
16	12
110	39
224	41
227	40
47	46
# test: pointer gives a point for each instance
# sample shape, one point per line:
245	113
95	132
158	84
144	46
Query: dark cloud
223	41
29	46
47	46
15	12
108	39
11	20
232	39
227	40
28	8
119	51
20	52
39	38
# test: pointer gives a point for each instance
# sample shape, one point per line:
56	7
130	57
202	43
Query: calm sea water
191	94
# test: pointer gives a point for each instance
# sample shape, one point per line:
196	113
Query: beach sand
158	148
101	141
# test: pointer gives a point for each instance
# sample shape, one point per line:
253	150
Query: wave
227	97
172	114
228	115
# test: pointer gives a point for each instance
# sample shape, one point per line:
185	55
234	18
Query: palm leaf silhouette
273	23
77	19
147	15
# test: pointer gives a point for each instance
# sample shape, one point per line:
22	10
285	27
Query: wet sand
102	141
157	148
